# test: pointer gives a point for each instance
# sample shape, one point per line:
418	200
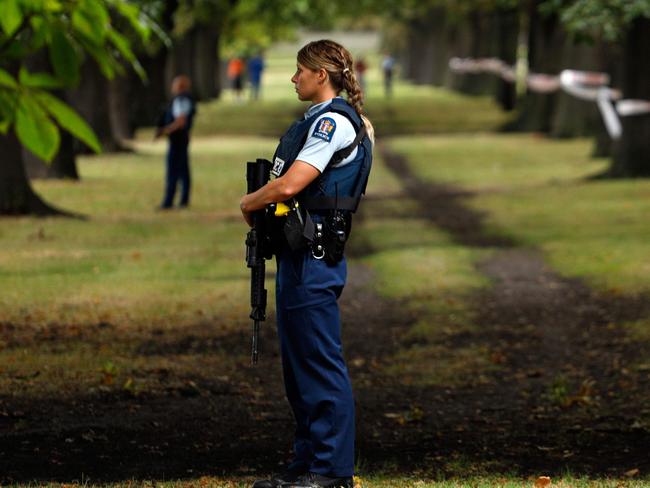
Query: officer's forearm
281	189
177	124
274	191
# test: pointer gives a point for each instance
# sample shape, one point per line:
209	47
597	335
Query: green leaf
122	44
35	129
91	20
133	15
11	17
8	101
106	64
69	119
64	58
124	47
53	6
38	80
41	32
7	80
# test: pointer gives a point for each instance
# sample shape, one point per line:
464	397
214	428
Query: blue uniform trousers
315	376
178	170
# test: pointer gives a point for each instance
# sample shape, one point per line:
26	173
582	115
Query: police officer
176	125
322	164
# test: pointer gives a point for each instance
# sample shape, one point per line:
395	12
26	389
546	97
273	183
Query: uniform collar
318	107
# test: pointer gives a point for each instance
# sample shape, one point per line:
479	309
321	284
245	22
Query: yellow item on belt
281	209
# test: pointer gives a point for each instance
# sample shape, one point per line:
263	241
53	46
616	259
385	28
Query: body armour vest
338	187
181	136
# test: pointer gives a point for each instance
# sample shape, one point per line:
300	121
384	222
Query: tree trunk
414	69
91	100
632	151
204	73
439	47
507	40
16	194
545	41
147	100
180	59
119	108
64	164
460	42
484	44
574	117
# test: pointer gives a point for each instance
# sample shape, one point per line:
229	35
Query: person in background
236	76
388	67
176	124
255	69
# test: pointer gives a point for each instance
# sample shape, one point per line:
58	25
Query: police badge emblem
325	129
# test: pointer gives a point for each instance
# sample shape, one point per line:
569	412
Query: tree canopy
607	19
68	32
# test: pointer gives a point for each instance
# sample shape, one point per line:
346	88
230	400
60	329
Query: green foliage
598	18
413	10
67	32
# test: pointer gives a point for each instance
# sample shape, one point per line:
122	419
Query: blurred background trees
67	67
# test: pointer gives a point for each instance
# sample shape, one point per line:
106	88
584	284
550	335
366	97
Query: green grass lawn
536	190
134	268
128	263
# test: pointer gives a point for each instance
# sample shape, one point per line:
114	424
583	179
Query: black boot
289	476
313	480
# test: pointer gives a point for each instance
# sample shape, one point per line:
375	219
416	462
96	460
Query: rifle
258	249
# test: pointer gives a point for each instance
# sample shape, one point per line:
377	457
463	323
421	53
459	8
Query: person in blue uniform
322	163
176	125
255	68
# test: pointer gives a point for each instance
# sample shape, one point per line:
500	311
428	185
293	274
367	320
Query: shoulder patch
325	128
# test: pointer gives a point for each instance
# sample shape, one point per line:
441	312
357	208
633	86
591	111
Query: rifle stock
258	174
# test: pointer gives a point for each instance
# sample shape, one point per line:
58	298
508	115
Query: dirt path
563	395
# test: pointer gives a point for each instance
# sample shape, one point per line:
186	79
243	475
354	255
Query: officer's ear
322	76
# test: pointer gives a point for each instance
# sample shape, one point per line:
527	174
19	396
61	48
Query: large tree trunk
507	34
417	50
632	151
180	59
63	166
119	109
460	45
439	47
483	44
574	117
205	71
16	194
149	99
196	55
545	41
91	100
